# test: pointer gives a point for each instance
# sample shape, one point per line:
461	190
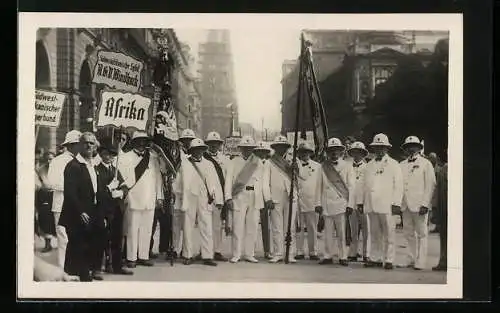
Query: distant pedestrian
43	201
440	202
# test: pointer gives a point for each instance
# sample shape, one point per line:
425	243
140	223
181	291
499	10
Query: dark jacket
105	203
79	197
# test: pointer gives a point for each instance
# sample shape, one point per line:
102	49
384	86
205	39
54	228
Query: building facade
219	108
352	67
65	59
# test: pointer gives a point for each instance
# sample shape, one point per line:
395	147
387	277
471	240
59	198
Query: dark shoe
145	262
198	257
209	262
153	255
219	257
388	266
352	258
188	261
97	276
326	261
365	259
379	264
299	257
131	264
122	271
417	268
440	268
313	258
344	262
268	256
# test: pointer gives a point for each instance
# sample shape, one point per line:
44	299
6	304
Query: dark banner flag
312	98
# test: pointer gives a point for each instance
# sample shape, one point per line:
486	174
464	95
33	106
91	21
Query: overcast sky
258	56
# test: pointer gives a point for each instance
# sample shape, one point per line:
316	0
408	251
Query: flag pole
288	238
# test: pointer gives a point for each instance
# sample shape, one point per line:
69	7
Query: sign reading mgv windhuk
118	71
124	109
48	108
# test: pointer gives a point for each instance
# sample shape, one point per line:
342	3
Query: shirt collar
80	159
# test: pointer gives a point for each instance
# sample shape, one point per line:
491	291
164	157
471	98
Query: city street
304	271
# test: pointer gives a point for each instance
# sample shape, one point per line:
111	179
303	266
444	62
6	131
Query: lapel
86	176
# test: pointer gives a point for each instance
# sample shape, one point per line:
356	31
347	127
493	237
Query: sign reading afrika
118	71
231	145
48	108
124	109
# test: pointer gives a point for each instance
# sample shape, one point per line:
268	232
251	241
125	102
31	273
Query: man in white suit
200	193
308	176
381	196
419	181
55	177
335	199
143	187
279	172
245	197
358	153
219	161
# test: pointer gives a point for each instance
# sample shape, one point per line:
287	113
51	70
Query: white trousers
354	221
178	224
217	229
203	214
245	224
310	221
62	240
279	227
140	227
416	230
383	237
335	224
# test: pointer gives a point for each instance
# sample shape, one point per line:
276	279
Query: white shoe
251	259
234	260
292	260
276	259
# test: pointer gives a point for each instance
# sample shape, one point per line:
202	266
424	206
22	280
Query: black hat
108	144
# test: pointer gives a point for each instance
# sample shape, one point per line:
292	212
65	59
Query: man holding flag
335	199
280	179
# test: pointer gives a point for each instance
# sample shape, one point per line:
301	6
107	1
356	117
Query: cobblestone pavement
304	271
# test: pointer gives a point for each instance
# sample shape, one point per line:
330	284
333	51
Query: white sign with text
124	109
48	108
118	71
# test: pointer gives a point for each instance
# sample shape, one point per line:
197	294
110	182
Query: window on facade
381	74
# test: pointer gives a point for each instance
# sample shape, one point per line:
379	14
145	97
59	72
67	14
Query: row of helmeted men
256	186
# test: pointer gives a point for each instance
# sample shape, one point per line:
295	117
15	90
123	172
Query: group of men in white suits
216	193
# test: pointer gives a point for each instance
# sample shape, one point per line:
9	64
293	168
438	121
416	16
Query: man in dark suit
79	213
109	201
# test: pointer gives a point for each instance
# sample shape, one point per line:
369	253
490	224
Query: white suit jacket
359	173
194	190
307	184
419	181
279	184
382	186
143	193
259	181
327	195
55	177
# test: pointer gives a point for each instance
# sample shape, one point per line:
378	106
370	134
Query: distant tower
217	84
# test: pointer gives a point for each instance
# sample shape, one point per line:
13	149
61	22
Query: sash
218	168
284	167
210	198
245	174
335	179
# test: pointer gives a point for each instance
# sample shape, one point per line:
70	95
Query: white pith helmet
197	143
262	146
247	141
381	140
335	143
412	140
73	136
280	141
187	134
358	145
213	136
305	146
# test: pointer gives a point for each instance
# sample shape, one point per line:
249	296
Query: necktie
335	162
378	159
195	160
305	164
411	160
356	164
111	170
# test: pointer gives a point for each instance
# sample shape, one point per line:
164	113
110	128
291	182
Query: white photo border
27	27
